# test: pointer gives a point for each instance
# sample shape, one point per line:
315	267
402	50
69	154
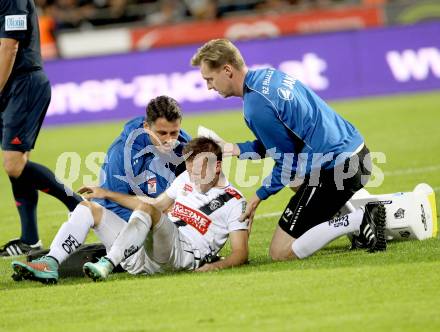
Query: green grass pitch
335	290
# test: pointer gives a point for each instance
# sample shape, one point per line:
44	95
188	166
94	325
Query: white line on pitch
268	215
405	171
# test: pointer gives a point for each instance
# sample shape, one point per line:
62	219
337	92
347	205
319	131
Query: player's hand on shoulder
249	213
206	267
89	192
230	149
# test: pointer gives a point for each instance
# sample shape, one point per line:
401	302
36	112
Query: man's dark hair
202	145
163	107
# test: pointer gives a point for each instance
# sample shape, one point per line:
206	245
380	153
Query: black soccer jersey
18	20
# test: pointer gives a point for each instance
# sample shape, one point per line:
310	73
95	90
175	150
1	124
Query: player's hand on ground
249	214
206	267
89	192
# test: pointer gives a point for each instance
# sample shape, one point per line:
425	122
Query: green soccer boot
43	269
99	270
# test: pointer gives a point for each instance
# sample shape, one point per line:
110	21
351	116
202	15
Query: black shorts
318	202
23	106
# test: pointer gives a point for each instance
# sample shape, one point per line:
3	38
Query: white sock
131	238
72	233
320	235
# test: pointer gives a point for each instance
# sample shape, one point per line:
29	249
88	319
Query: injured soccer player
205	211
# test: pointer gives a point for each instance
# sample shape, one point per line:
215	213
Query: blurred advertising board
336	65
412	11
258	26
125	39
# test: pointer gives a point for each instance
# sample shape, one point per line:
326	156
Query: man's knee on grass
281	246
281	253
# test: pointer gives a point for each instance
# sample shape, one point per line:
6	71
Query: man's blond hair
217	53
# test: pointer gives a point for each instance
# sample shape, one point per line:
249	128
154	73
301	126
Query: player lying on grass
206	209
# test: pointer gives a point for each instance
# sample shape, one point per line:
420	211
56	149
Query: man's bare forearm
129	201
234	259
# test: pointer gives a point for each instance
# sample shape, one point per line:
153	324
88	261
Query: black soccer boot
372	229
16	247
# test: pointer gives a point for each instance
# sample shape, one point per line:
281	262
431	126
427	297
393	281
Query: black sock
43	179
26	200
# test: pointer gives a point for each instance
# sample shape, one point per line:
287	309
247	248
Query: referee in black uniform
24	98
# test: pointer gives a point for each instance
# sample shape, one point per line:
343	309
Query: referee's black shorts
313	204
23	106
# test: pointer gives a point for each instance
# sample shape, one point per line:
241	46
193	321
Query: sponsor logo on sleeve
15	23
152	185
233	192
266	82
187	188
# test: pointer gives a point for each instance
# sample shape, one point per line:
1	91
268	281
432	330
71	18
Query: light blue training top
288	118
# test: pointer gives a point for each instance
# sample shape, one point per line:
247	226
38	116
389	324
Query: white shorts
165	249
